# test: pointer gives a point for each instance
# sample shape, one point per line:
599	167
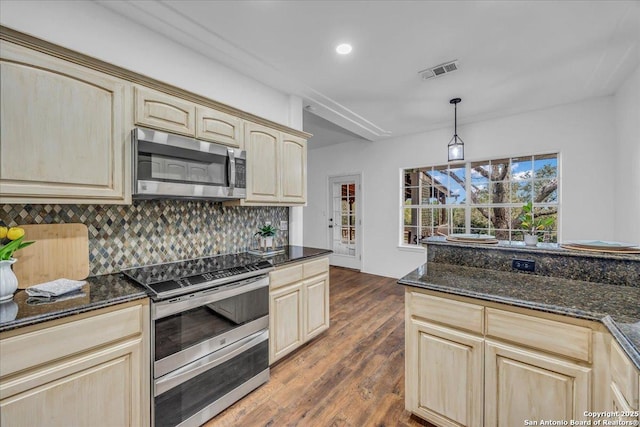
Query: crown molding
205	40
34	43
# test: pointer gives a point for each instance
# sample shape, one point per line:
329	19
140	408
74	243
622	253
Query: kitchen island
496	346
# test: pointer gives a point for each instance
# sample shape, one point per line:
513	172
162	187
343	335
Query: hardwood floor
350	375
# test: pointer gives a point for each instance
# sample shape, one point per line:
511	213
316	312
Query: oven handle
194	369
187	302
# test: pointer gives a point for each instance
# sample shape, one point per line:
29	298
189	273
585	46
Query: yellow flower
15	233
3	232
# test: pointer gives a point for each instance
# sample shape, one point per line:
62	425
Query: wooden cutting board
60	250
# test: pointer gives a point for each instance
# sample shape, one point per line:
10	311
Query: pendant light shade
456	145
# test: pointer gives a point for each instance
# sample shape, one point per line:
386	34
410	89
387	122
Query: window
480	197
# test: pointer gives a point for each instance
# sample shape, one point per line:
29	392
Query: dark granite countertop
98	292
103	291
616	306
542	248
297	253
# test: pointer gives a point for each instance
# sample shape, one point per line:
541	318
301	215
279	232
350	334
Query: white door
345	221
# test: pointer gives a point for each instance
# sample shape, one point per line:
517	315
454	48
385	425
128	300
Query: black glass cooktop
175	278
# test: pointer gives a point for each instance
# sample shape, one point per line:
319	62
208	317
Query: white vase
8	311
531	240
8	280
266	242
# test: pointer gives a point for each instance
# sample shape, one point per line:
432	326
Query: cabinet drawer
284	276
624	375
542	334
48	344
458	314
313	268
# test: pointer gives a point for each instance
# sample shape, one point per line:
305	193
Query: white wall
583	133
627	183
296	218
96	31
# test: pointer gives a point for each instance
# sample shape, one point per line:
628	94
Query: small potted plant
532	226
266	233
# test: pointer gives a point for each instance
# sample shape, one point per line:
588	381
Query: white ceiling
514	56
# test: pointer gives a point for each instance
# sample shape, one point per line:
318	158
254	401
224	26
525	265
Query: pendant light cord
455	120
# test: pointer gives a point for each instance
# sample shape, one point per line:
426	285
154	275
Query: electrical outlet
284	225
524	264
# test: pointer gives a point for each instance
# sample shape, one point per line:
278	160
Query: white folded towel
55	300
54	288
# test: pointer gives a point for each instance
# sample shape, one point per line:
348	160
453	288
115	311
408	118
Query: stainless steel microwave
168	166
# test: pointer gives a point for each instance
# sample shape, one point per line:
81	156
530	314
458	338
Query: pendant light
456	145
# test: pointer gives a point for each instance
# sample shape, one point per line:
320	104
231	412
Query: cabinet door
624	376
316	298
100	388
216	126
524	385
263	150
285	321
63	132
294	169
75	376
165	112
444	374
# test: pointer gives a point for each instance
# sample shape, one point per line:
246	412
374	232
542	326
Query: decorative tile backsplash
153	231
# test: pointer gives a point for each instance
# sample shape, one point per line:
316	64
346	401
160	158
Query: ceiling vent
439	70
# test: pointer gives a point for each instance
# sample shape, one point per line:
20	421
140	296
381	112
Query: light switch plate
284	225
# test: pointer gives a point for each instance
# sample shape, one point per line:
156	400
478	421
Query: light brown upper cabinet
64	131
294	169
276	167
67	121
216	126
164	112
263	157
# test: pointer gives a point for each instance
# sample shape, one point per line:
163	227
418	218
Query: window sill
411	248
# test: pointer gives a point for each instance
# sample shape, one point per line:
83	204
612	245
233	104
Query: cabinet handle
232	170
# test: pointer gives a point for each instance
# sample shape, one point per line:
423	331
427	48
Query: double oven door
210	348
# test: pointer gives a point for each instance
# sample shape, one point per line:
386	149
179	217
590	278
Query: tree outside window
480	197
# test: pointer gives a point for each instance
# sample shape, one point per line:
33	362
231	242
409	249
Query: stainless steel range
210	320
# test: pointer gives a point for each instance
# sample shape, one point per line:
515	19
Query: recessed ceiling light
344	49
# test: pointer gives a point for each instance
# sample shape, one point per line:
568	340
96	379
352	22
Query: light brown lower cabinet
444	374
473	363
85	370
624	386
522	384
298	305
287	317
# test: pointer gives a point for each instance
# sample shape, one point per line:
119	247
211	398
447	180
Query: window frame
468	205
